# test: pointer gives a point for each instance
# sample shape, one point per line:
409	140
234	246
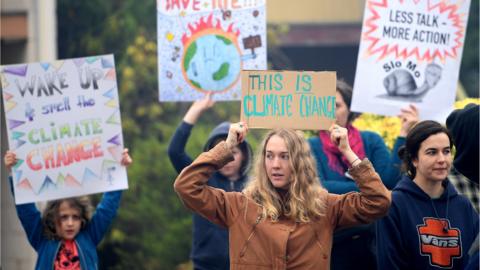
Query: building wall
37	43
315	11
321	35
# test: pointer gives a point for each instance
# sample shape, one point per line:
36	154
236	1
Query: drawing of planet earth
212	63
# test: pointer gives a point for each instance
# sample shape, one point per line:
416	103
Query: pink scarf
336	161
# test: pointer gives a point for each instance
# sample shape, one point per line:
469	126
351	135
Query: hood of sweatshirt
464	126
220	132
407	185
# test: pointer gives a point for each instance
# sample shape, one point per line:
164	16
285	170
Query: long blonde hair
306	197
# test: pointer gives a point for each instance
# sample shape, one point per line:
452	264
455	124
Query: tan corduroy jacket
257	243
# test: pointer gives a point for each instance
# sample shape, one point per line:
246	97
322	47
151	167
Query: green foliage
469	70
152	222
153	228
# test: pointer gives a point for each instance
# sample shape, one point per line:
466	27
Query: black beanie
464	125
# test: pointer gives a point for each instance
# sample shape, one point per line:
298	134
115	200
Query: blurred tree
469	70
153	228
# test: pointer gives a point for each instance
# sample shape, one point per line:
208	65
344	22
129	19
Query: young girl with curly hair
66	235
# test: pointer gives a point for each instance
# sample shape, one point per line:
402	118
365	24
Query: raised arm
373	200
176	149
29	216
106	209
366	206
386	163
338	184
216	205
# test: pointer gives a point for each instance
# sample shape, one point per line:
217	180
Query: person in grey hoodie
210	241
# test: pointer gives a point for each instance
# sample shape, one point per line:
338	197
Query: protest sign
204	44
63	123
289	99
410	52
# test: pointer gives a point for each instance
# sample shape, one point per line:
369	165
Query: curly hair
51	217
306	198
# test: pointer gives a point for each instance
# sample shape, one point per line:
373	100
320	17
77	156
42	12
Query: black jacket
464	126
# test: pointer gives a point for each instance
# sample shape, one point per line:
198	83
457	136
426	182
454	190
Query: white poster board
204	44
63	123
410	53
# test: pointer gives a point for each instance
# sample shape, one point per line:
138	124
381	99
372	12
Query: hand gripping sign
63	123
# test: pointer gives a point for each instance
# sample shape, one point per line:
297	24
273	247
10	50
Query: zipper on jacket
56	253
81	255
232	186
252	232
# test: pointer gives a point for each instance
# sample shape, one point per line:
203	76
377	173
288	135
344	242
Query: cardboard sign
203	45
63	123
410	52
289	99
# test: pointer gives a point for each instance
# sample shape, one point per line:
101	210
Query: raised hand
409	117
198	107
10	160
339	137
236	134
126	159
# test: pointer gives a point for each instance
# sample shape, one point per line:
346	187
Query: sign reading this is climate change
63	123
289	99
410	52
204	44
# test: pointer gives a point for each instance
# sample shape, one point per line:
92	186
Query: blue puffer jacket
86	240
210	241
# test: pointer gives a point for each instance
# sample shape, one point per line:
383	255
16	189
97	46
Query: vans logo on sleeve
439	242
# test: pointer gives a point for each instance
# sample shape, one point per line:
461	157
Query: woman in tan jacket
283	219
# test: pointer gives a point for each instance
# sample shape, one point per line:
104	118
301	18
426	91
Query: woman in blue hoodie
210	241
429	225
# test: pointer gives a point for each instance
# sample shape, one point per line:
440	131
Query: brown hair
346	91
51	214
419	133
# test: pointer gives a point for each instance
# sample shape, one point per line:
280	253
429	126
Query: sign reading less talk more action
288	99
410	52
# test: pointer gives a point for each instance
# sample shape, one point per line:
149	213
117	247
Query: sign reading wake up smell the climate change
63	123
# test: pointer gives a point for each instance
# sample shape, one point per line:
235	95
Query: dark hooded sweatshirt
423	233
210	241
463	124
